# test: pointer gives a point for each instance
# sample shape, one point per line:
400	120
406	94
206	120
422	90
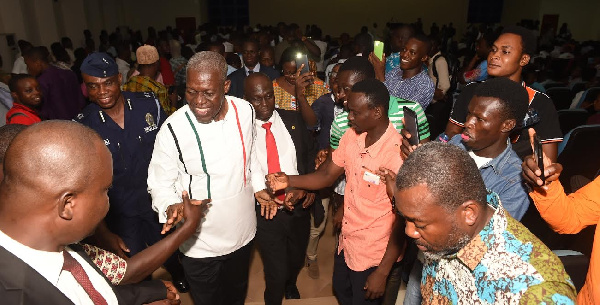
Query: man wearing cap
146	80
128	123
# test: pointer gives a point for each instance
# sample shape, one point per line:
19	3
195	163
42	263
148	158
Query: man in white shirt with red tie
207	149
54	194
282	144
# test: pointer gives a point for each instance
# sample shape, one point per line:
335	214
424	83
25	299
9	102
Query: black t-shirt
547	127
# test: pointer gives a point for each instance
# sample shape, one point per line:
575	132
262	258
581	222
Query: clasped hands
190	210
269	203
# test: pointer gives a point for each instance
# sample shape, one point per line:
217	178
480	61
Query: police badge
149	119
151	125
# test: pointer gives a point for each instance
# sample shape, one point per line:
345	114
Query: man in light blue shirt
494	113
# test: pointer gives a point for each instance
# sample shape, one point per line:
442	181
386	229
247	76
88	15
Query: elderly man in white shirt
207	149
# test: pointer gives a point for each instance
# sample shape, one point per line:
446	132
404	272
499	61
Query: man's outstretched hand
190	210
276	182
268	204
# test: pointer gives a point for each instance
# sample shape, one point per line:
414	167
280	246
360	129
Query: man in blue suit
250	56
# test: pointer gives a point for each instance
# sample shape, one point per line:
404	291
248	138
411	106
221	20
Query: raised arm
325	176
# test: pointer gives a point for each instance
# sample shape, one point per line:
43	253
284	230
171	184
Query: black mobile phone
411	125
539	155
302	59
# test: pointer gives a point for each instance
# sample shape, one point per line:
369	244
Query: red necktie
273	156
81	277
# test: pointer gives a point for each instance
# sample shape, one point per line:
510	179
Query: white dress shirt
285	147
230	222
49	265
255	69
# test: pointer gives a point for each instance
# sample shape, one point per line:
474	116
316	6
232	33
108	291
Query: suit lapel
23	285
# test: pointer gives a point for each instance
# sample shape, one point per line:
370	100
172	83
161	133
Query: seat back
561	96
580	154
571	118
588	95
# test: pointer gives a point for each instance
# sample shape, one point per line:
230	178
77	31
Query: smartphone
539	155
378	49
411	125
302	59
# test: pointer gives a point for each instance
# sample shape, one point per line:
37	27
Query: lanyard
237	118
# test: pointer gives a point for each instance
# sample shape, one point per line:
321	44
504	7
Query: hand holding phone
539	155
411	125
302	59
378	49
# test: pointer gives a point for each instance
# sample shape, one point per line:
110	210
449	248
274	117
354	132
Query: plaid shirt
140	83
286	101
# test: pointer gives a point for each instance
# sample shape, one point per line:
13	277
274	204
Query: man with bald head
283	143
207	148
63	191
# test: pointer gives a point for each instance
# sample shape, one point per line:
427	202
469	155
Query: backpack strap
434	69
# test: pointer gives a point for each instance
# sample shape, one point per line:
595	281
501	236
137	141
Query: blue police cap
99	64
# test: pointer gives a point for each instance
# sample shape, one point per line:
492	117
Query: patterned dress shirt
503	264
286	101
140	83
418	88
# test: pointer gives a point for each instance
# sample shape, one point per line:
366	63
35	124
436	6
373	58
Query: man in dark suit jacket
250	56
54	194
282	231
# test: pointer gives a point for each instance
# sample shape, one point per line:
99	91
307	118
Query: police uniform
130	215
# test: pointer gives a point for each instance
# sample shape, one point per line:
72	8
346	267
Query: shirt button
368	185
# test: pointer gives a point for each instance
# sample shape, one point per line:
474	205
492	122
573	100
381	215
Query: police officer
128	123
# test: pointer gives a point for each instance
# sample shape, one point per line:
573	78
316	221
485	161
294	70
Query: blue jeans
413	288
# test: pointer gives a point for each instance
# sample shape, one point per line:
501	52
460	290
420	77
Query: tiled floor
313	292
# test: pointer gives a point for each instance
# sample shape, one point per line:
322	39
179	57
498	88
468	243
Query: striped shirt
395	114
418	88
214	161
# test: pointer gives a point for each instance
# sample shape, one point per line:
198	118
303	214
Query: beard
456	241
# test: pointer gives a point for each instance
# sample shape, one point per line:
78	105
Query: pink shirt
368	215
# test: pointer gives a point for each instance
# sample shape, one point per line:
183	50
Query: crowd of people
212	143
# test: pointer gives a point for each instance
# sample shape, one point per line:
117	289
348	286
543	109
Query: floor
313	291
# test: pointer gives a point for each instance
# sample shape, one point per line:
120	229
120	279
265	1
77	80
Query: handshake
279	194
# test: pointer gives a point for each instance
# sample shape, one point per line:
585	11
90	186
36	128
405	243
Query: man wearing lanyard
207	149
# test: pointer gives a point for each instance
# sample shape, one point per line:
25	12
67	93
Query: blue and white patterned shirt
418	88
503	264
392	61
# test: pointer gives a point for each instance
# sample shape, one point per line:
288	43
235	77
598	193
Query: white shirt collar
48	264
256	68
272	119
